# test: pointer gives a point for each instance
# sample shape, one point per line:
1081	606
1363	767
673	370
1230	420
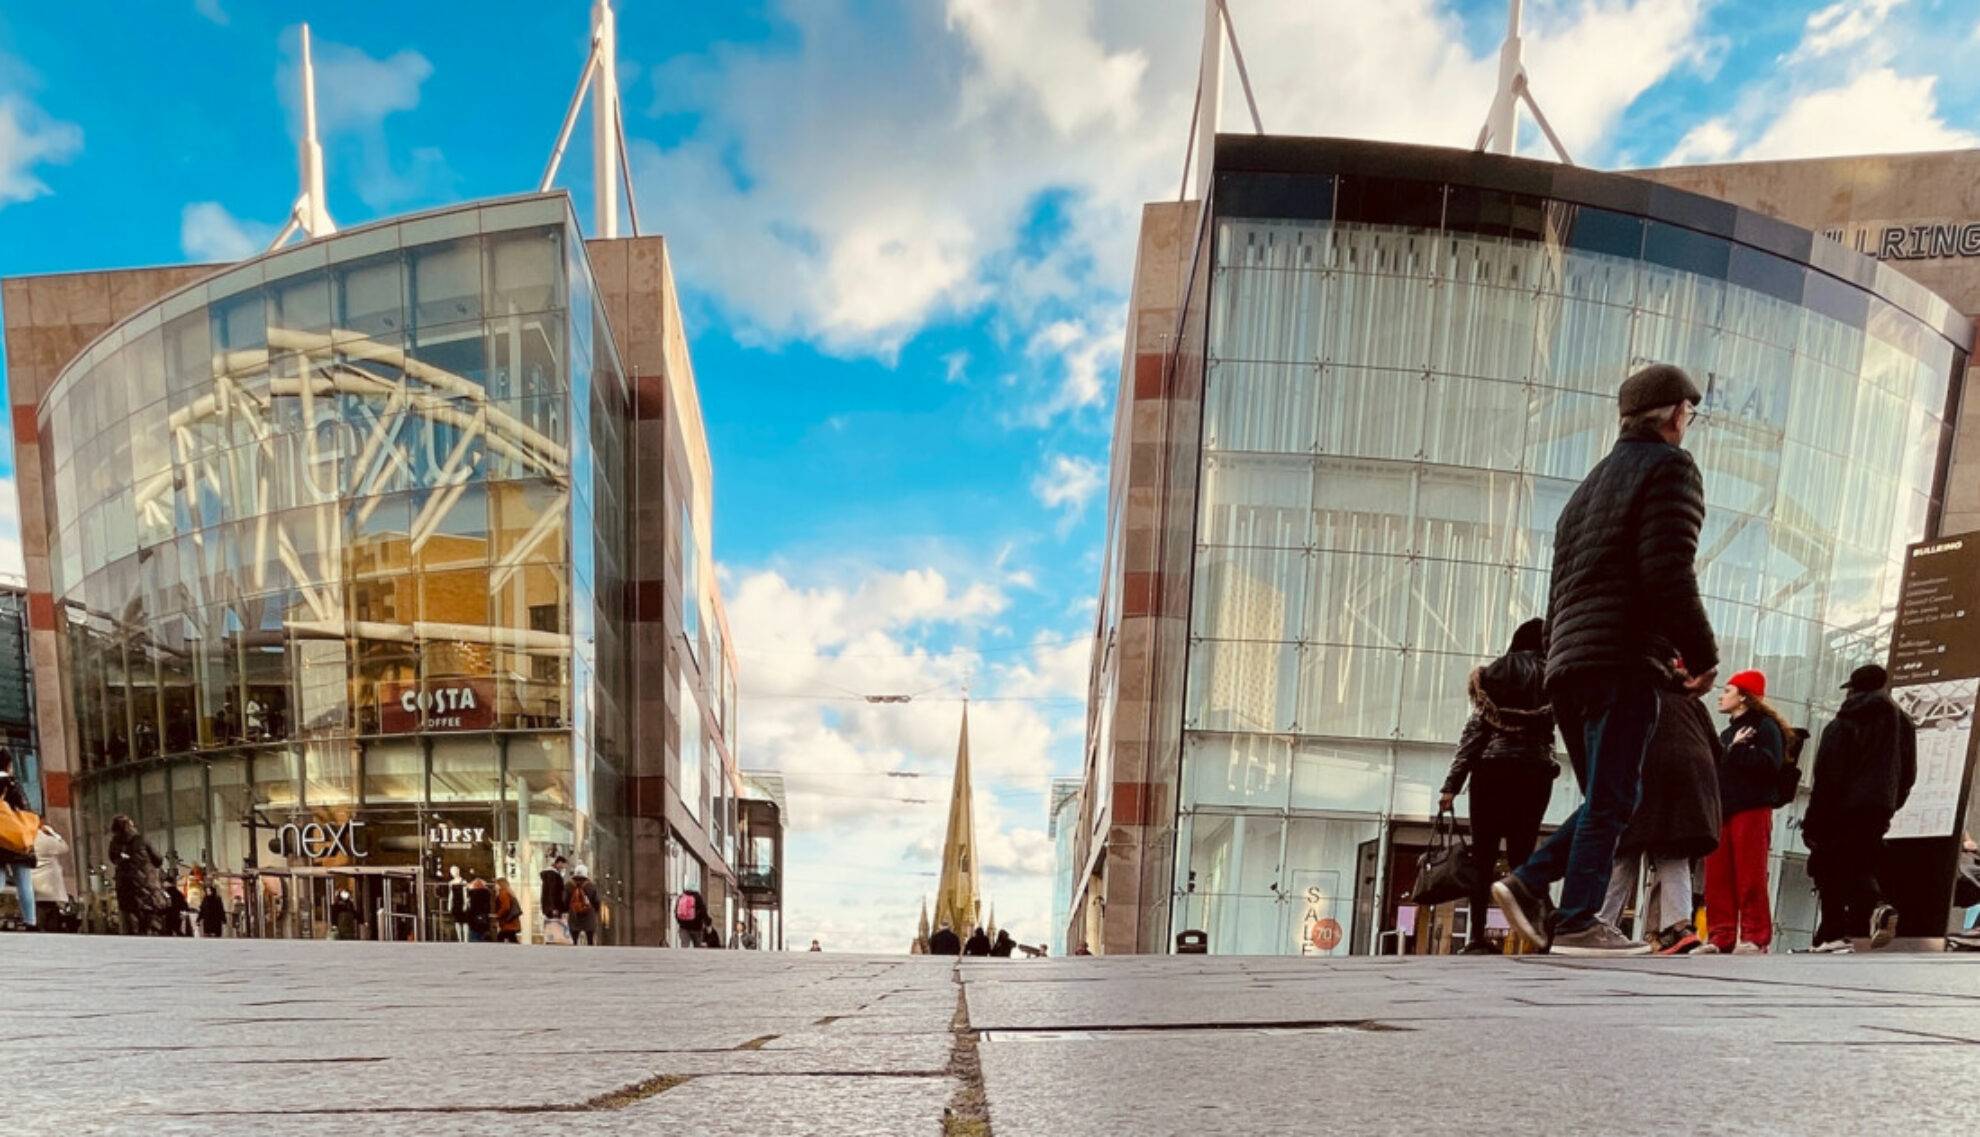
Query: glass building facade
337	536
1410	360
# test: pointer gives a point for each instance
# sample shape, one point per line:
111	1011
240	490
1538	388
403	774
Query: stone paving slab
1769	1045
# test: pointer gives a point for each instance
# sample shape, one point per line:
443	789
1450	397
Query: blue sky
903	230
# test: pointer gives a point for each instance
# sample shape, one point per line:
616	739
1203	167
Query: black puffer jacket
1677	814
1749	771
1625	597
1511	721
1864	768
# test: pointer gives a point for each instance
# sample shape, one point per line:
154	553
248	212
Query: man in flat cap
1623	605
1864	772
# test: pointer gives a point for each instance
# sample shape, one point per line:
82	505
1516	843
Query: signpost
1935	677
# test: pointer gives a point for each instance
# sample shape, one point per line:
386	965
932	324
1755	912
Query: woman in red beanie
1737	891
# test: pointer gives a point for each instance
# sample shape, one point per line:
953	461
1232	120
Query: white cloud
1877	111
211	10
13	567
1068	483
356	93
1710	141
868	784
30	138
890	197
207	232
1840	25
955	367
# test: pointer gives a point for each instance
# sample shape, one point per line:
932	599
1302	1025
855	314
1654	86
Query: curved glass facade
1405	380
337	534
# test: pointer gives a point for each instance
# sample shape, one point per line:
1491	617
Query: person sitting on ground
1004	946
979	943
1737	914
1676	819
945	941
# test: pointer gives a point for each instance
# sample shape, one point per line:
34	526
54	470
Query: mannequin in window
457	902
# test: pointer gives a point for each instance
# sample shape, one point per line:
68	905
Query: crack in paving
1309	1026
968	1111
603	1103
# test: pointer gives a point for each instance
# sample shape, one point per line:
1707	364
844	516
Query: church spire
956	902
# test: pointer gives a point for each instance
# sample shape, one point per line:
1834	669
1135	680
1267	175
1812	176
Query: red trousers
1736	890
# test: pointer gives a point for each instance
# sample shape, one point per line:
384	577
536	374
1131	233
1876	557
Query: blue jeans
22	878
1607	728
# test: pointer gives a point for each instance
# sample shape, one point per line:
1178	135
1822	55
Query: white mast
1501	131
604	122
310	215
1209	96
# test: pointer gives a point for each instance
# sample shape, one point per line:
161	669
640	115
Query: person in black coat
945	941
17	868
1506	752
212	913
1865	766
550	896
480	906
140	897
979	943
1004	946
1738	891
1676	819
1622	604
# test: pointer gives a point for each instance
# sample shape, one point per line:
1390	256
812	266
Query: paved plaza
113	1036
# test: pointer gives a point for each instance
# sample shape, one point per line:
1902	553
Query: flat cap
1869	677
1658	385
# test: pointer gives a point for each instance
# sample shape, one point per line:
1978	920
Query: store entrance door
384	900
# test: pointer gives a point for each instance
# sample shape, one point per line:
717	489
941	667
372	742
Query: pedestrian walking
140	897
1738	892
1676	820
550	896
479	905
344	916
1864	769
212	913
179	922
17	865
1623	602
582	897
507	914
1506	753
689	912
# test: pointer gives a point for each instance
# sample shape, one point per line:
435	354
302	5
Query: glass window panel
1570	433
275	783
1587	349
1261	407
330	766
1337	775
371	296
1348	691
1321	859
1237	685
456	532
464	769
1251	594
1487	332
525	272
1435	694
1466	609
446	282
1477	423
1358	600
690	756
394	771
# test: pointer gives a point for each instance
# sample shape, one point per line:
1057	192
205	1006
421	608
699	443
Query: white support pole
1501	132
570	121
1210	98
604	122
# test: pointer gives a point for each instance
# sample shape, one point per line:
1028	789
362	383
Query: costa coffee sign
454	704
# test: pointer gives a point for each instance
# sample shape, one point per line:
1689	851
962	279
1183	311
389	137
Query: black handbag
1966	885
1444	872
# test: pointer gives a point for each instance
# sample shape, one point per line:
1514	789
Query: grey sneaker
1834	947
1527	913
1708	949
1883	926
1748	947
1598	939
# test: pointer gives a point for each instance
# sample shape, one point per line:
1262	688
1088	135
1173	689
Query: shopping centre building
378	557
1361	381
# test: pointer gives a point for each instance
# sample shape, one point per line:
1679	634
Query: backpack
1787	780
580	899
687	909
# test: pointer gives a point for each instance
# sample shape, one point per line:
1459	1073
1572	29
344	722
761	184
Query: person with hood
1865	766
1738	912
550	899
1506	752
945	941
212	914
582	898
140	896
507	914
344	916
17	868
1622	602
1004	946
979	943
1676	819
478	907
180	921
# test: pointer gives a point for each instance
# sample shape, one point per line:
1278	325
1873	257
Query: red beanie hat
1751	682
